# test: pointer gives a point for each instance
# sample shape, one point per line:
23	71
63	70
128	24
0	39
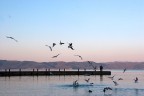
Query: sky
100	30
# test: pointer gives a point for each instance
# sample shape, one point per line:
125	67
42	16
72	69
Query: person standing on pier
101	68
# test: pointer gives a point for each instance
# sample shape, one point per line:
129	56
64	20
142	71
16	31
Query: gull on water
115	83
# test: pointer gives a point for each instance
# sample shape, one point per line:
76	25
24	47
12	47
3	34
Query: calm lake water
62	85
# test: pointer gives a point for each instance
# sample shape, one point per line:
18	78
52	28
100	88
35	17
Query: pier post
37	71
46	72
78	71
20	72
9	72
49	71
33	71
64	71
5	72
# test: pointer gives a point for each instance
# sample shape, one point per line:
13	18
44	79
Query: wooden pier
36	72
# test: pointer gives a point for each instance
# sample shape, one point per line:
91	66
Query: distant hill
7	64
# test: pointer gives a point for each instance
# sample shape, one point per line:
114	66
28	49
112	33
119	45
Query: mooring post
37	71
20	72
46	72
33	71
78	71
9	72
5	72
49	71
64	71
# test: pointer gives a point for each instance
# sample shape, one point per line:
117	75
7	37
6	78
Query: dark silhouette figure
55	56
79	56
124	70
12	38
49	47
70	46
94	67
54	44
101	68
61	43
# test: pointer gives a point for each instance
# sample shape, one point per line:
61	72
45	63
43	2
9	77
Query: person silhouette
101	68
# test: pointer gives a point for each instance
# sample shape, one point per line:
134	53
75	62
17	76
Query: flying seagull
49	47
112	77
120	79
87	80
79	56
12	38
115	83
61	43
124	70
94	67
55	56
54	44
70	46
136	80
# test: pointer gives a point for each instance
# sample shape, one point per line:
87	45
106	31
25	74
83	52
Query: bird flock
76	83
105	90
70	46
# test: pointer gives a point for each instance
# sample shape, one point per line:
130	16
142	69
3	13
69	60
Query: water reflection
62	85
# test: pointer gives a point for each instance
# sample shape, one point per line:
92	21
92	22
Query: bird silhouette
61	43
49	47
75	83
87	80
115	83
54	44
79	56
12	38
106	88
70	46
56	56
120	79
112	77
90	91
136	80
94	67
124	70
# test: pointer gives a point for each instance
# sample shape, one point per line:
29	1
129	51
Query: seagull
90	91
87	80
115	83
55	56
49	47
79	56
124	70
70	46
54	44
75	83
106	88
94	67
112	77
12	38
136	80
61	43
120	79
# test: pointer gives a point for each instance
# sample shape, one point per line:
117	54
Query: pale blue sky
101	30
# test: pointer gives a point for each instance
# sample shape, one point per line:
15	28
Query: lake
63	85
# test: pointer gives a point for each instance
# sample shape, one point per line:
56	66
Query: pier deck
48	72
